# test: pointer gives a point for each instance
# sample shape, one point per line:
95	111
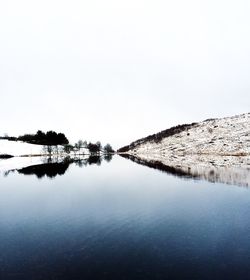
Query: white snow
218	148
17	148
224	142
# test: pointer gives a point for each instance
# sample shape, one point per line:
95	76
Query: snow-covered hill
214	142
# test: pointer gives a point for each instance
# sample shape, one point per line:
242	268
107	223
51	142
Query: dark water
120	220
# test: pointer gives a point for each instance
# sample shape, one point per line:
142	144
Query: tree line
55	143
93	148
50	138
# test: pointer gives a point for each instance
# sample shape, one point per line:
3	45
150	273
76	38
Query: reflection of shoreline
213	174
51	167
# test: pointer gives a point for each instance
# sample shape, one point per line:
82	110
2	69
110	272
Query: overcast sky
116	71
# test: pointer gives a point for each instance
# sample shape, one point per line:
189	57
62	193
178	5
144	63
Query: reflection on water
51	167
121	220
108	157
94	160
231	176
50	170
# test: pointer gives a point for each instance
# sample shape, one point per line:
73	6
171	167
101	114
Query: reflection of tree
50	170
6	173
94	160
108	157
81	162
51	167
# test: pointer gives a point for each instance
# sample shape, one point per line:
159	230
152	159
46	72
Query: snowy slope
17	148
215	142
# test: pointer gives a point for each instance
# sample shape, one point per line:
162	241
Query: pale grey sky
117	70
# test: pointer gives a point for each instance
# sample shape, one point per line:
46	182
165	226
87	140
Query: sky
116	71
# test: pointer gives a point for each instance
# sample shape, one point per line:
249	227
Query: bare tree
68	148
48	150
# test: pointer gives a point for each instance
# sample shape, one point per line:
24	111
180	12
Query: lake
116	219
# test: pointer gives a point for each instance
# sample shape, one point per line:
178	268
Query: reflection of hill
232	176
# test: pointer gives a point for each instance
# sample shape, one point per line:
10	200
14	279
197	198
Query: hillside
214	142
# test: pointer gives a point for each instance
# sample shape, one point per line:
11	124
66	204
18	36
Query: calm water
121	220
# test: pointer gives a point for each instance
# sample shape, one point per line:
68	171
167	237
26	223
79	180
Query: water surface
120	220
